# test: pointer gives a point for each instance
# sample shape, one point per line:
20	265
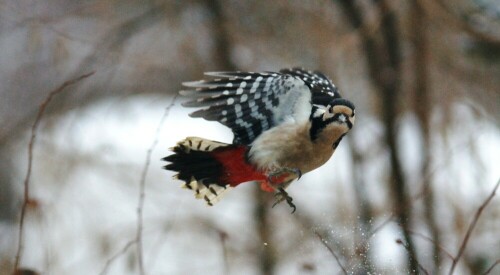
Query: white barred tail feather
211	193
198	168
199	144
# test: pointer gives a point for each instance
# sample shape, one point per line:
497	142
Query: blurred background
398	196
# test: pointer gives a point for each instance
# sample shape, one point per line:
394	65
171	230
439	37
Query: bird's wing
250	103
322	89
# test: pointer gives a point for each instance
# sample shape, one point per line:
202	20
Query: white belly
289	145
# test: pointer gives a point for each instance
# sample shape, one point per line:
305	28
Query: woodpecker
285	124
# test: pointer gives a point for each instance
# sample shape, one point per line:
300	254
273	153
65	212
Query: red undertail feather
236	168
211	168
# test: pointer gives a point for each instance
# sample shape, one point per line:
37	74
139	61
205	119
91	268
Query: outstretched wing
250	103
322	88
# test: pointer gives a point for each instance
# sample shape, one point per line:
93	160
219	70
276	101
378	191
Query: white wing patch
295	105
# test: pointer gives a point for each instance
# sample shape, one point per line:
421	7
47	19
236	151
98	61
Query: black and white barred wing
322	89
250	103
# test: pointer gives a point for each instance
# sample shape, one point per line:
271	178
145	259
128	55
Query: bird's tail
210	168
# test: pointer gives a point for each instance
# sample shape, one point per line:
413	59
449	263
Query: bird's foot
283	175
283	195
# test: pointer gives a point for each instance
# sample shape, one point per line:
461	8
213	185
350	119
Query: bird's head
336	119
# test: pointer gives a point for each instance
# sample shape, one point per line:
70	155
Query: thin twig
383	224
223	241
34	128
142	187
491	267
472	226
438	245
400	242
331	251
112	259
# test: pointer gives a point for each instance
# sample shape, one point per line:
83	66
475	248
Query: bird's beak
352	119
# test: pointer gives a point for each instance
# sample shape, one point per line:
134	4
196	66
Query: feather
250	103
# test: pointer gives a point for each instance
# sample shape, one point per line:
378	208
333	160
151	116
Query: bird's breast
289	145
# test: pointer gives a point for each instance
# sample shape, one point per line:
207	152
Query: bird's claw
283	195
284	170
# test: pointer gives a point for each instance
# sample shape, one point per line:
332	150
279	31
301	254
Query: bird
285	124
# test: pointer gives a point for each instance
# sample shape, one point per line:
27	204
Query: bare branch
384	61
438	245
492	267
400	242
142	187
112	259
223	236
331	251
365	211
34	128
383	224
472	226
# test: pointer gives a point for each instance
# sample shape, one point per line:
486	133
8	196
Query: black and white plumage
285	124
250	103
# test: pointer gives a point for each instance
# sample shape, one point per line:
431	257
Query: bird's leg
278	173
283	177
283	195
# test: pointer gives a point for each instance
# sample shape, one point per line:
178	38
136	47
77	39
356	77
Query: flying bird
285	124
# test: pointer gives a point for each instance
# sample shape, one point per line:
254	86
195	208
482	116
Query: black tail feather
189	164
198	168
